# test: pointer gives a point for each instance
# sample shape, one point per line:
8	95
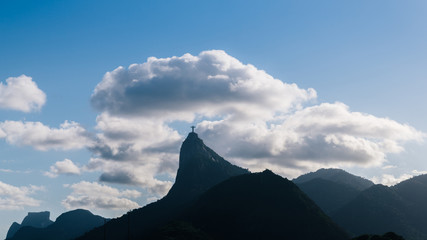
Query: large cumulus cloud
325	135
210	84
244	113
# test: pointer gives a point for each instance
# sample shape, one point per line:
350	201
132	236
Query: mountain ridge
336	175
33	219
68	225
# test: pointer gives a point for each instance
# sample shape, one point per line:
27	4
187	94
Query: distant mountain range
213	199
337	176
68	225
360	207
33	219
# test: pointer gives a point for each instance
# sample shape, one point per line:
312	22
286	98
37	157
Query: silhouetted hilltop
377	210
13	229
68	225
414	192
328	195
33	219
199	169
260	206
332	188
336	175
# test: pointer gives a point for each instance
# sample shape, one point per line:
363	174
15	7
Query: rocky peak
33	219
199	169
37	219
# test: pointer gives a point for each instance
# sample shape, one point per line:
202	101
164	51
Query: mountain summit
338	176
199	169
33	219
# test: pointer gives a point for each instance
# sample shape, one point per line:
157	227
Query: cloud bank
242	112
21	94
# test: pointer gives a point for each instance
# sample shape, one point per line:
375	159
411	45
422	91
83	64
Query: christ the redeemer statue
192	128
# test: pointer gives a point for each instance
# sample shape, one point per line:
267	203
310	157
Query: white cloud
390	180
70	135
92	195
135	134
16	198
389	167
210	84
22	94
139	173
134	151
417	172
66	167
326	134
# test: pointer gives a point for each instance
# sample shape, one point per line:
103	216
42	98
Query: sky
97	96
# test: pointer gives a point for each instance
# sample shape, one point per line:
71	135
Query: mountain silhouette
338	176
68	225
200	168
328	195
33	219
414	192
377	210
331	188
260	206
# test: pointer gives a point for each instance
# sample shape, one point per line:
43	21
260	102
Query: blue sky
364	61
